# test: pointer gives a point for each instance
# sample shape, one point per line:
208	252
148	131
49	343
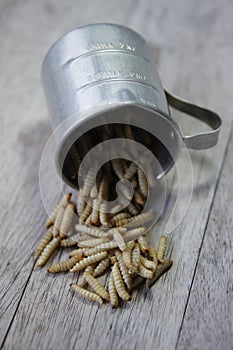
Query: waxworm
134	182
92	242
119	239
81	203
63	203
142	241
148	263
101	247
138	198
92	231
89	180
112	259
130	171
103	215
86	294
152	255
103	188
134	234
64	265
127	254
112	292
141	219
46	238
135	259
82	281
86	212
119	283
94	192
162	248
144	272
89	261
161	269
119	217
58	221
122	230
88	220
101	267
96	286
125	190
123	269
67	220
95	211
77	252
48	251
143	185
132	209
123	222
117	168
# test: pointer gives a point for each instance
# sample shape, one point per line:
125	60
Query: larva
101	247
141	219
143	185
58	221
92	231
116	209
124	189
95	211
134	234
123	269
117	168
130	171
96	286
82	281
144	272
134	182
89	261
103	215
135	259
64	265
119	283
89	180
101	267
150	175
77	252
148	263
86	294
162	248
81	203
67	220
119	239
123	222
63	203
142	241
92	242
152	255
48	251
94	192
46	238
112	292
127	254
118	217
132	209
86	212
103	188
88	220
161	269
112	259
138	198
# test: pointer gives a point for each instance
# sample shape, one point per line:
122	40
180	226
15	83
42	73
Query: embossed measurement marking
110	45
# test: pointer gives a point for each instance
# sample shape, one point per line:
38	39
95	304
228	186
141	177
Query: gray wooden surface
191	307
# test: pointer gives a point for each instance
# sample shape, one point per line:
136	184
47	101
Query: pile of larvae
113	243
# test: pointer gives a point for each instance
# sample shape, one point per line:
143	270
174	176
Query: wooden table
189	308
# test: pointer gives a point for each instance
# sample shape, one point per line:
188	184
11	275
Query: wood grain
193	51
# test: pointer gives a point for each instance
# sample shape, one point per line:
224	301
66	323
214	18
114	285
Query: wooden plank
208	320
48	315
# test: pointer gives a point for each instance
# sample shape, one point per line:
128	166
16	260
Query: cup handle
200	140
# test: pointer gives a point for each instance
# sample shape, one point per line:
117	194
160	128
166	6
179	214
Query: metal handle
201	140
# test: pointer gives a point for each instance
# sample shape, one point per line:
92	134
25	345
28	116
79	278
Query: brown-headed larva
101	267
148	263
63	203
92	231
103	215
134	234
86	294
96	286
144	272
119	283
82	281
162	248
132	209
89	180
48	251
140	219
58	221
161	269
127	254
89	261
142	180
118	217
64	265
92	242
112	259
101	247
123	269
95	211
138	198
86	212
112	292
152	255
143	244
130	171
67	220
119	239
81	203
46	238
135	259
117	168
